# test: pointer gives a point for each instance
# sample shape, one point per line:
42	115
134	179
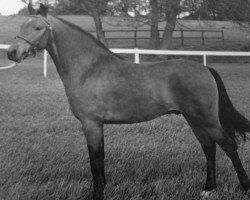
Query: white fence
138	52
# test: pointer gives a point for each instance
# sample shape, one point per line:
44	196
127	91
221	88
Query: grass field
44	156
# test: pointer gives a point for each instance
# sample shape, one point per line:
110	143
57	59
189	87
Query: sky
9	7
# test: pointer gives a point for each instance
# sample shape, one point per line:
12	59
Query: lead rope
8	66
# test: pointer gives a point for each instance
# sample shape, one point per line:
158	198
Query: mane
100	44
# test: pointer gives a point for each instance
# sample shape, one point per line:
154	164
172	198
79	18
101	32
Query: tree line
152	12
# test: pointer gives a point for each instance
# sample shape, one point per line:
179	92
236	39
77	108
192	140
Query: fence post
223	39
45	63
182	38
137	56
204	60
202	37
135	38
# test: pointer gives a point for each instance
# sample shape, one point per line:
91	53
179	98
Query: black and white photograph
124	99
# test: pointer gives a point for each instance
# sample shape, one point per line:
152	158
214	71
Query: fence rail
135	35
137	53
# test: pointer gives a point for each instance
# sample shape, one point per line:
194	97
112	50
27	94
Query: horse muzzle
18	53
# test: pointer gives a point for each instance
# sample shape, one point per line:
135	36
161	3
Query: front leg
93	132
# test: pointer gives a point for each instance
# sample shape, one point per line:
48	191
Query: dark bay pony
102	88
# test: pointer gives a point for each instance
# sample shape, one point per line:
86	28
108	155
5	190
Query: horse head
34	35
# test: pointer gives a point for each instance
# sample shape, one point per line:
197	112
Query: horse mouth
23	56
26	54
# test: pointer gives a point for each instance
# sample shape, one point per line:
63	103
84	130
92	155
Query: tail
233	123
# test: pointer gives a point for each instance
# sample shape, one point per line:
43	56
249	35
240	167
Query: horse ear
43	10
38	9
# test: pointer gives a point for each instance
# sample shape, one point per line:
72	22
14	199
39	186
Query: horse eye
38	28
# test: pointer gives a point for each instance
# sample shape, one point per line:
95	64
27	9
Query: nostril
12	54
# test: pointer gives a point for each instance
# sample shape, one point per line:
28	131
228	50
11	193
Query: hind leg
209	149
229	146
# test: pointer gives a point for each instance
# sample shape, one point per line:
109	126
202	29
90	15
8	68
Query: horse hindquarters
210	126
232	122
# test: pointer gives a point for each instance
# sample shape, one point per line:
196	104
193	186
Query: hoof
207	194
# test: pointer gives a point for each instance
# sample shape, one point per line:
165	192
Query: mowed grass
43	152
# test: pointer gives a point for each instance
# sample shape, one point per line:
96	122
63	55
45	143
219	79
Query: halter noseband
35	46
23	38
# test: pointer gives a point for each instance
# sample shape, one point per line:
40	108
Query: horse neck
72	51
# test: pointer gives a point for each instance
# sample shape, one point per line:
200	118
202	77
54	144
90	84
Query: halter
35	45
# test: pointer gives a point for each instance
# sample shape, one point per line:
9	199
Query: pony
103	88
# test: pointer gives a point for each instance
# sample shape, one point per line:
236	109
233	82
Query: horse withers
103	88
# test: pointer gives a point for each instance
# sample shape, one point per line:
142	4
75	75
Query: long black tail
233	123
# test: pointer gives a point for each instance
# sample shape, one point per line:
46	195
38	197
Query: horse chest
86	105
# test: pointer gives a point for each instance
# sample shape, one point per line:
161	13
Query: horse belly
133	114
139	108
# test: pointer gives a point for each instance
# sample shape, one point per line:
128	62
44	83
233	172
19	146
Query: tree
46	2
26	1
94	8
120	7
136	13
154	41
171	9
235	10
65	7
